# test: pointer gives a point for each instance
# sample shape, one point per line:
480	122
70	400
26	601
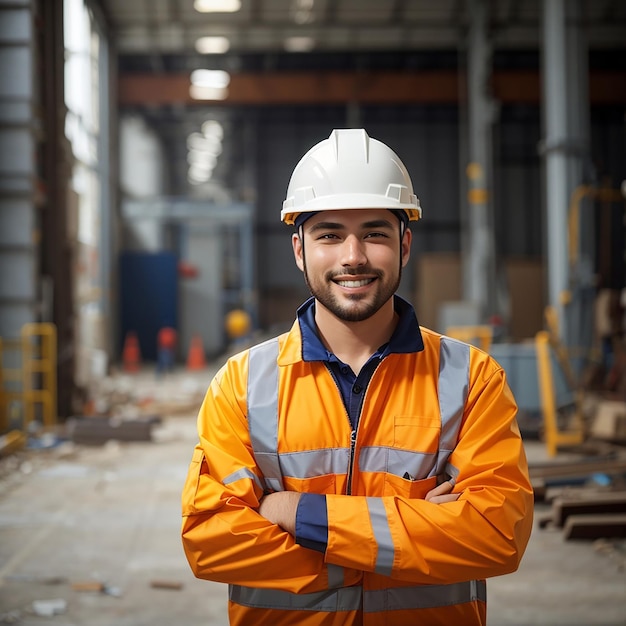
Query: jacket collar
302	342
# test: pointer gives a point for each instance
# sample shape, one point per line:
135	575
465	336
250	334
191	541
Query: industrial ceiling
158	43
166	27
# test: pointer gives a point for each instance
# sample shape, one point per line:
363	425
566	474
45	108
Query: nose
353	252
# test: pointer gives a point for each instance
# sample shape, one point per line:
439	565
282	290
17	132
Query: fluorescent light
212	45
217	6
299	44
198	141
212	128
208	93
209	84
197	175
215	79
201	159
302	11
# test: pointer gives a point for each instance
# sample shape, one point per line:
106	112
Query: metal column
479	261
554	147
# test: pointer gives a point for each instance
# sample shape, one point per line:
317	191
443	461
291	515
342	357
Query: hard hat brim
365	202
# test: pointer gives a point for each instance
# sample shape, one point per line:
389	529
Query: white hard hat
349	170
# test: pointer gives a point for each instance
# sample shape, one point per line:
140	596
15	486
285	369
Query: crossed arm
281	507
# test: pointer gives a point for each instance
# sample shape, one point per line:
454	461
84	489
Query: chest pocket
420	434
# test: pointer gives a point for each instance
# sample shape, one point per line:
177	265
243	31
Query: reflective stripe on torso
355	599
263	410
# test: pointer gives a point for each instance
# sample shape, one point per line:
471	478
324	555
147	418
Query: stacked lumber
589	512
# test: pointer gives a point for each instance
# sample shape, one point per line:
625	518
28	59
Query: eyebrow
337	226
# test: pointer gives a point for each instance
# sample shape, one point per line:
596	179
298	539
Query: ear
298	251
405	246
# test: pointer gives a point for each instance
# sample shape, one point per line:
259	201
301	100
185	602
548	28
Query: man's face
352	260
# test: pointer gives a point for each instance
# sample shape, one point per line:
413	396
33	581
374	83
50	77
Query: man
357	469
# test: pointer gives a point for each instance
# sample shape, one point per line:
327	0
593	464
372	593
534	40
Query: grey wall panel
19	251
15	83
13	316
16	151
16	222
17	274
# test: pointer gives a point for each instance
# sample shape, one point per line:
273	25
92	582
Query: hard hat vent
350	144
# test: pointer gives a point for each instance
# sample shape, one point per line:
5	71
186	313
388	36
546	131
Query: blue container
519	361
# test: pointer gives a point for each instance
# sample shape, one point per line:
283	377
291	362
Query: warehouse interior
145	150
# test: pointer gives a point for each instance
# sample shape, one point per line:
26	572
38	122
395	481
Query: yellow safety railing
31	379
602	194
546	342
10	379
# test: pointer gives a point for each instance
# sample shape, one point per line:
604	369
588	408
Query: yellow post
553	436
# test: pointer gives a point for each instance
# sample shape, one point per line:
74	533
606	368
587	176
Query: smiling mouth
355	283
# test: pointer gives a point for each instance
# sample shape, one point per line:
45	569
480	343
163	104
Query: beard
355	307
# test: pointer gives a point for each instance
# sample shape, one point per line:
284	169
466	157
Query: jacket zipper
353	431
351	461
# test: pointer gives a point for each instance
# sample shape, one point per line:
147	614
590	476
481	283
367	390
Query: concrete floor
111	514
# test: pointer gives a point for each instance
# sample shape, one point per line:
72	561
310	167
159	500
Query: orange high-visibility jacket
272	421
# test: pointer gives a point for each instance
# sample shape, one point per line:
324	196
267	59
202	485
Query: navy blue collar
406	337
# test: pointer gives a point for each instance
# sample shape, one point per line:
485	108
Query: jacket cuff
312	522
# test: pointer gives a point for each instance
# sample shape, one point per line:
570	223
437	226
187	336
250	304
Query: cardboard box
609	421
438	280
526	289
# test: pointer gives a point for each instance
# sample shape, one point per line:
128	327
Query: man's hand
441	493
280	508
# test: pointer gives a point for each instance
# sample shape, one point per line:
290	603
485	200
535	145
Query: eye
326	236
377	234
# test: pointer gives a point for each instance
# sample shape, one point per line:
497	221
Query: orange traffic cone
195	358
131	356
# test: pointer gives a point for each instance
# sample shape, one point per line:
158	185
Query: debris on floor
615	549
11	442
166	584
119	408
49	608
88	585
97	430
120	396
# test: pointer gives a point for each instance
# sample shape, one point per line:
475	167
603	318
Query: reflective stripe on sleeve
263	410
453	386
424	597
382	534
344	599
241	474
453	472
